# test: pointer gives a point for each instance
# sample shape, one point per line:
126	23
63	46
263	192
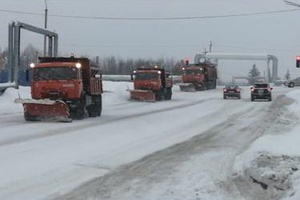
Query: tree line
109	65
112	65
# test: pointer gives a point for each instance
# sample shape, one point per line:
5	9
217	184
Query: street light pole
45	37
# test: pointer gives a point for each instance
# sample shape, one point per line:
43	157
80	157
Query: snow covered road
135	150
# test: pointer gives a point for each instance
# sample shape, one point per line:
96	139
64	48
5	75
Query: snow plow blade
142	95
53	110
187	87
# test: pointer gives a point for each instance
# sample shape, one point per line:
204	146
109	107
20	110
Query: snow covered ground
196	146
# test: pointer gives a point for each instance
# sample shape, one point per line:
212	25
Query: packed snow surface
195	146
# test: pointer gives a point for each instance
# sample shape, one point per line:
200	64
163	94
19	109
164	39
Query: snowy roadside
269	169
211	169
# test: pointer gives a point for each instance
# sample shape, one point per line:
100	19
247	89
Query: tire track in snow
141	175
135	180
92	123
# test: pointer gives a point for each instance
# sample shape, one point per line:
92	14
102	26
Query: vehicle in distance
231	91
293	82
198	76
261	91
151	84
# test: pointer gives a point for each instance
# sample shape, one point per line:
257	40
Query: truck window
146	76
193	71
55	73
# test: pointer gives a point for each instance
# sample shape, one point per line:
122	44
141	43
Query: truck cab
151	83
68	87
198	76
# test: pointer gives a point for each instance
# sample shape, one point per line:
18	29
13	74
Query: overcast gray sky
164	28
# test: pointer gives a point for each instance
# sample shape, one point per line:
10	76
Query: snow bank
273	161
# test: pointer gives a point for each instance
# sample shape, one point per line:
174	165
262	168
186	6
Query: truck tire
159	95
204	86
95	108
29	117
198	88
168	94
80	110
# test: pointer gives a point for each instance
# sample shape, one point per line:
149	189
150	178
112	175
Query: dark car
233	91
261	91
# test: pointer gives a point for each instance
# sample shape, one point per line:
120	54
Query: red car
232	91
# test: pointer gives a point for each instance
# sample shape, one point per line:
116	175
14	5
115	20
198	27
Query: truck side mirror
27	74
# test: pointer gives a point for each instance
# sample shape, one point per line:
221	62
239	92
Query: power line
291	3
154	18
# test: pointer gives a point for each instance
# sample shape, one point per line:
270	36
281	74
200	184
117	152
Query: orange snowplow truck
200	76
63	88
151	84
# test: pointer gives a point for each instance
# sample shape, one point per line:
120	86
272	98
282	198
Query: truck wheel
204	86
252	98
168	94
181	88
80	111
95	109
198	88
29	117
159	95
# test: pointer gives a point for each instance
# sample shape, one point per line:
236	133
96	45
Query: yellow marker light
78	65
32	65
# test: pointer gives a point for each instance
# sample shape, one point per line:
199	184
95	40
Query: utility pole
210	46
45	37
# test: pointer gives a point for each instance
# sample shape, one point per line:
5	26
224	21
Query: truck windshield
54	73
146	76
192	71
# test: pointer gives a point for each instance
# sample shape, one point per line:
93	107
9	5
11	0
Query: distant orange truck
151	84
